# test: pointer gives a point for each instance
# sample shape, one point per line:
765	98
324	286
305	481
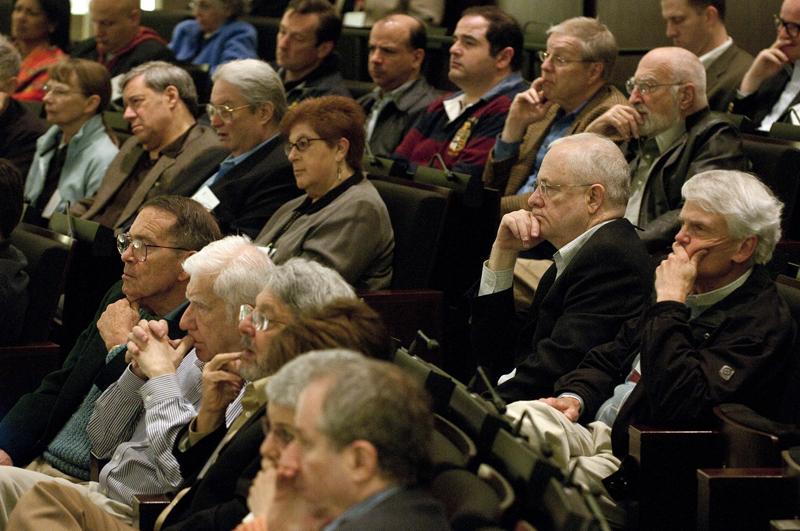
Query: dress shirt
383	99
709	57
230	162
789	92
454	105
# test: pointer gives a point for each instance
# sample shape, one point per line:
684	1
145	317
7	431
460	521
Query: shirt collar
361	508
700	302
255	394
564	256
396	93
453	106
230	159
709	57
666	138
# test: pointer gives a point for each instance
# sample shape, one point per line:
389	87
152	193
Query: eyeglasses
138	247
545	189
224	112
645	87
558	60
301	145
792	28
59	91
259	320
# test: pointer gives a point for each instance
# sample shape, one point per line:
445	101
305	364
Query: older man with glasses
46	430
247	104
572	91
770	90
671	135
601	274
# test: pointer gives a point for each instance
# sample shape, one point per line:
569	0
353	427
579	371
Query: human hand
620	122
117	321
262	490
221	385
527	107
676	274
5	459
518	231
766	64
150	351
258	523
569	406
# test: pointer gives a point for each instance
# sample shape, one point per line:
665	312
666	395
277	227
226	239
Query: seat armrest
751	440
148	507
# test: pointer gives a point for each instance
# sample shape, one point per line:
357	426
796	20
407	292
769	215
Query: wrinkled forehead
654	67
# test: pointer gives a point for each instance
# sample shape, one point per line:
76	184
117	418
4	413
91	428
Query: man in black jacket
718	332
671	136
247	104
601	276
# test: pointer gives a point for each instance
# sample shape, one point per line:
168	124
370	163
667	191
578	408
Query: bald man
119	42
671	135
396	54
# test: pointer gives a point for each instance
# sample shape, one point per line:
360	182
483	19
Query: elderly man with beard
672	135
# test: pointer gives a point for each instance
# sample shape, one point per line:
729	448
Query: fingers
219	361
184	346
698	256
159	329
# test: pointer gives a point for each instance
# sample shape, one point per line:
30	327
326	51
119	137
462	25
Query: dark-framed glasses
138	247
558	60
259	320
545	189
301	145
792	28
224	112
646	87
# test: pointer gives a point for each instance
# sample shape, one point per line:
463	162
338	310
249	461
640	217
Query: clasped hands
150	351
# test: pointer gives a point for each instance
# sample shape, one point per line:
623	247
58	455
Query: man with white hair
137	418
601	276
717	332
247	104
672	135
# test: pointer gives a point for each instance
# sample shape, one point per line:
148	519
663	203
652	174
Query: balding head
114	23
682	66
396	50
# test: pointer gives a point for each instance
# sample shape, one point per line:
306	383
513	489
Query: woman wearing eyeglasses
340	221
72	156
40	31
215	36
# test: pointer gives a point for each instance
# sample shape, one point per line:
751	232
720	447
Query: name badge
206	197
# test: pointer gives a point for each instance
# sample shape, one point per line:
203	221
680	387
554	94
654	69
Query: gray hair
747	204
377	402
241	269
303	284
596	39
596	159
258	83
158	75
9	59
284	386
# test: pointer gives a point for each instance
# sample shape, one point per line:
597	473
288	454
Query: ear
503	58
686	97
362	461
342	145
596	72
92	103
136	16
710	14
746	249
324	49
419	57
183	276
595	197
265	112
171	93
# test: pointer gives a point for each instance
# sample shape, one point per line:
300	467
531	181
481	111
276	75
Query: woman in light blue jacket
72	156
215	36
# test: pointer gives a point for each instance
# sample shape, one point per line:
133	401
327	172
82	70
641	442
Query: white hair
241	269
303	284
257	81
747	204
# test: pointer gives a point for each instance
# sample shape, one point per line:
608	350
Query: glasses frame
259	320
301	145
647	88
558	60
792	28
124	241
545	189
224	112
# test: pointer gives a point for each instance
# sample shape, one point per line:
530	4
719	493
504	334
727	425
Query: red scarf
144	34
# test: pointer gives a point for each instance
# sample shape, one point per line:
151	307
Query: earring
338	173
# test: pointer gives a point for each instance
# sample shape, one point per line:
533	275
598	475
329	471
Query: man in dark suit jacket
247	104
601	276
718	332
160	102
766	95
699	26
